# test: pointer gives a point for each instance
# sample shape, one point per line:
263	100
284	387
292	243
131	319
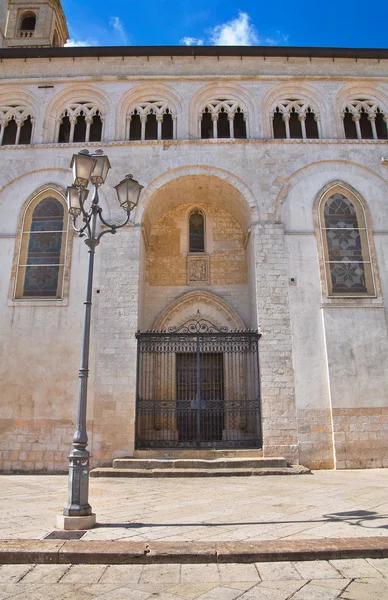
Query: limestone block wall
323	361
279	421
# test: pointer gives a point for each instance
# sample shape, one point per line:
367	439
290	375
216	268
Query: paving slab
325	504
171	582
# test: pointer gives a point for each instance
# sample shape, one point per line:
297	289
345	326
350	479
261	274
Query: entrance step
199	463
203	453
198	467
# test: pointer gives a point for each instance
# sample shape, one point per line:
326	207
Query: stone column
275	347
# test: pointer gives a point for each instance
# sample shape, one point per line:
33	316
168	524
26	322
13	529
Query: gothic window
16	124
222	119
151	120
42	250
346	246
295	118
196	231
364	120
80	122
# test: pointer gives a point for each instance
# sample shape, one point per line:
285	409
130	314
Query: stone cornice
195	142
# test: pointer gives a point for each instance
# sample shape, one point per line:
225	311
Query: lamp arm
112	228
113	225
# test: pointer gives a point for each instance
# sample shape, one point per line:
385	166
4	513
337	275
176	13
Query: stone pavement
325	504
320	580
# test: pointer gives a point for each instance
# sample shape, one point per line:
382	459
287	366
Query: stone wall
324	398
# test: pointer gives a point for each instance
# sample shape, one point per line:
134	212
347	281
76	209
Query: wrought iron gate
197	387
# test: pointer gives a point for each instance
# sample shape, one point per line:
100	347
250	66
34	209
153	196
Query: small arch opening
167	126
365	126
95	134
151	127
206	125
279	126
349	125
64	131
311	125
10	133
381	126
295	125
223	128
239	125
56	42
28	22
135	127
26	131
80	129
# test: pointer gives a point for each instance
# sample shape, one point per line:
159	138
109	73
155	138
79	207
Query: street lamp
92	168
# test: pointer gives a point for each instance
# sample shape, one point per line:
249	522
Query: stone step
202	472
202	453
199	463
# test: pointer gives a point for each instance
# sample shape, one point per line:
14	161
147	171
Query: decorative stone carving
198	270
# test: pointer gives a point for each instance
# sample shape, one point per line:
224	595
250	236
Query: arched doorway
198	378
197	383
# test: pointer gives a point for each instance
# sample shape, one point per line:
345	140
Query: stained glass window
197	231
41	264
347	259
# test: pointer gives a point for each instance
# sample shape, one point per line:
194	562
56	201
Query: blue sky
220	22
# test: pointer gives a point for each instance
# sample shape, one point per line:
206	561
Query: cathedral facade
245	305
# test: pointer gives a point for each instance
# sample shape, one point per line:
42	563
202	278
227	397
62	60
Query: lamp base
75	523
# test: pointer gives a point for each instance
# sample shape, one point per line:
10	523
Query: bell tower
32	23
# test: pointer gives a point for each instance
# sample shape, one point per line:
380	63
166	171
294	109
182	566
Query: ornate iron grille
197	387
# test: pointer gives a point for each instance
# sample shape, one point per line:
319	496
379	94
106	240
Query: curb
121	552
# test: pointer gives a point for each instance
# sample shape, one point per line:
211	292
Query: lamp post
93	168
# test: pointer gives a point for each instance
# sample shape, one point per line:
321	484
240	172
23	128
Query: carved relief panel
198	272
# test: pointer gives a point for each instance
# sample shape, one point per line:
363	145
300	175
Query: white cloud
279	39
73	43
118	26
237	32
191	41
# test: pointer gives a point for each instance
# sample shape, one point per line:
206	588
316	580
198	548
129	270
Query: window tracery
16	125
151	120
41	264
80	122
293	118
222	118
365	120
345	241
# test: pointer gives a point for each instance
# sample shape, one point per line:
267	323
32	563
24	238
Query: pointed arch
75	98
345	245
298	96
42	247
18	109
159	93
233	96
361	111
209	305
